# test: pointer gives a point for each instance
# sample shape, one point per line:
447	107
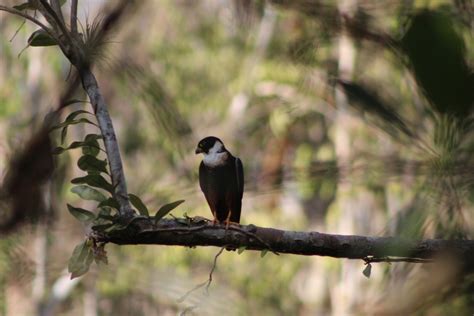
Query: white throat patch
214	157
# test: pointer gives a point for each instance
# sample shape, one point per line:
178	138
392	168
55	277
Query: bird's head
215	154
210	145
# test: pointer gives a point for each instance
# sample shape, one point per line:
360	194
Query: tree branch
110	141
74	17
56	6
29	18
191	233
57	23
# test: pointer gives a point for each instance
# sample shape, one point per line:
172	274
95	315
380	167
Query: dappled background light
350	117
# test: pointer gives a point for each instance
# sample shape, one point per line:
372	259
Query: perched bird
221	177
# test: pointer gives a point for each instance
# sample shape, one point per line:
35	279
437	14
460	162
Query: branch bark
192	233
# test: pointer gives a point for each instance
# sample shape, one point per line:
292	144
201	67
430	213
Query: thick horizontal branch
199	232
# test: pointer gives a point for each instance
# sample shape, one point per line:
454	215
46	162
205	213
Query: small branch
369	249
29	18
54	20
214	266
369	260
111	146
56	6
207	283
74	17
45	9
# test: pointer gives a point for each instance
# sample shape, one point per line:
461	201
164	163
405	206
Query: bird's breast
215	159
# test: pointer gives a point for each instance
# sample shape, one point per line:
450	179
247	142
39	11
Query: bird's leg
214	220
227	220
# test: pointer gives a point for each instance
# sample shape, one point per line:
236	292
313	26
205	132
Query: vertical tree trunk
41	237
41	250
344	291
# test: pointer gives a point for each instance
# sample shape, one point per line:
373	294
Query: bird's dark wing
204	183
236	204
239	170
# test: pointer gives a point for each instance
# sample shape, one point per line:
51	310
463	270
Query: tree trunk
347	290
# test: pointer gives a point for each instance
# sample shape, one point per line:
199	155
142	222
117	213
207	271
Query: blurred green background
350	117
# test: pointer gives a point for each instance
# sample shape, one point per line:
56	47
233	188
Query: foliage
179	82
94	187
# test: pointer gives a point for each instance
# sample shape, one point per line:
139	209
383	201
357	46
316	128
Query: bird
221	178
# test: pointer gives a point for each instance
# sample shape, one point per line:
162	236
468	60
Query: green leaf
90	163
367	270
70	119
104	219
73	115
87	193
94	180
74	145
41	38
25	6
111	202
81	214
107	217
263	253
58	150
90	145
436	50
74	122
138	204
102	227
63	134
72	101
92	137
165	209
100	255
93	147
241	249
368	101
81	259
105	213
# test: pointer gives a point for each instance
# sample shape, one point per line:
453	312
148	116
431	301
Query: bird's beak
198	151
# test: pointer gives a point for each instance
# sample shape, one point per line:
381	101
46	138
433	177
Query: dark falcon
221	177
